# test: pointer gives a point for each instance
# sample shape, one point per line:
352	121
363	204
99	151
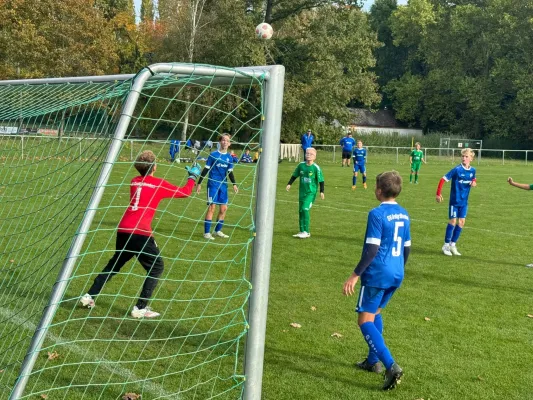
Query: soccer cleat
365	365
529	265
208	236
144	313
446	249
297	235
221	234
454	251
87	300
302	235
353	187
416	182
392	377
364	185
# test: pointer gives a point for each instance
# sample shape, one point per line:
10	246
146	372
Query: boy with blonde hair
463	178
311	179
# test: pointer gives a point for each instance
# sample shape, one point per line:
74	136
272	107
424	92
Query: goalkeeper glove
194	171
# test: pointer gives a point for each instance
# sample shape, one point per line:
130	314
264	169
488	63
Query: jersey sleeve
450	175
168	190
296	172
320	175
374	228
210	161
230	164
407	234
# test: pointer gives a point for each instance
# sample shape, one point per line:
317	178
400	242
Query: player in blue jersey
307	140
381	269
347	143
219	165
174	149
463	177
359	164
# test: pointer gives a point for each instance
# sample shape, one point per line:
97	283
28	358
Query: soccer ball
264	31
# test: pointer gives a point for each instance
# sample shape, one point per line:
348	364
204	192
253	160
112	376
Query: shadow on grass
303	363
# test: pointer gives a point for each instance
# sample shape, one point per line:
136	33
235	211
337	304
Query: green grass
477	340
475	345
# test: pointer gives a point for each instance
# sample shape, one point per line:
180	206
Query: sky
367	4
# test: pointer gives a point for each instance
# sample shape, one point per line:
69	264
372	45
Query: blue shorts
457	211
371	298
359	168
217	194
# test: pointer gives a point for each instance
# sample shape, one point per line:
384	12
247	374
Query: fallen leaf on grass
53	355
479	378
44	396
131	396
336	335
11	261
313	308
530	315
427	319
295	325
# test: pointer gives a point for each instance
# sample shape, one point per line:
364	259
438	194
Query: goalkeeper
416	158
134	234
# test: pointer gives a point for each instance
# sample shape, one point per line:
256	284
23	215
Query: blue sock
219	225
207	226
354	179
456	233
364	179
378	323
376	343
449	232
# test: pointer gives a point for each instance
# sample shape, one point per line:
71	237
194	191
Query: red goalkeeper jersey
146	192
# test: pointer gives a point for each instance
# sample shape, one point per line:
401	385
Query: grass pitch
459	326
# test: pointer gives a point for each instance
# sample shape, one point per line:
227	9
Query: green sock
416	178
410	177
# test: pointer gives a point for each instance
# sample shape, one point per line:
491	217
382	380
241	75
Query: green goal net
65	187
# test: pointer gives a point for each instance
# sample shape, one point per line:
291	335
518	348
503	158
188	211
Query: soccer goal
65	149
449	146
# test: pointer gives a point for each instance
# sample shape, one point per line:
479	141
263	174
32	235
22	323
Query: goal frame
273	82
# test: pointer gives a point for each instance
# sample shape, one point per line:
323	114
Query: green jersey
310	178
417	156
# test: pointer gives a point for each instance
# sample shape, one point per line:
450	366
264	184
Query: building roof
379	118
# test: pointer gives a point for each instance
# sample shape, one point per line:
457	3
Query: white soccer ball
264	31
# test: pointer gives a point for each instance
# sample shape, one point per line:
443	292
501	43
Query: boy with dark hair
381	268
218	168
134	233
347	144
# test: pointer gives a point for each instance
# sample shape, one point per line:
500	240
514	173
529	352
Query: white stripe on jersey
407	243
373	241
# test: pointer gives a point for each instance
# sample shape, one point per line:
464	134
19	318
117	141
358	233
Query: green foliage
469	68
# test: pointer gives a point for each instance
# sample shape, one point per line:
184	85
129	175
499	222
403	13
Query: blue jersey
347	143
307	141
219	165
359	156
461	178
388	227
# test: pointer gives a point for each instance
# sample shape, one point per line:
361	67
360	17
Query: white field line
315	205
152	387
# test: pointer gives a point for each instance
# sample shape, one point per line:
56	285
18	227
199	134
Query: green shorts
416	166
306	202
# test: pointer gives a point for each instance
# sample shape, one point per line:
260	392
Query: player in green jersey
416	158
525	186
311	179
